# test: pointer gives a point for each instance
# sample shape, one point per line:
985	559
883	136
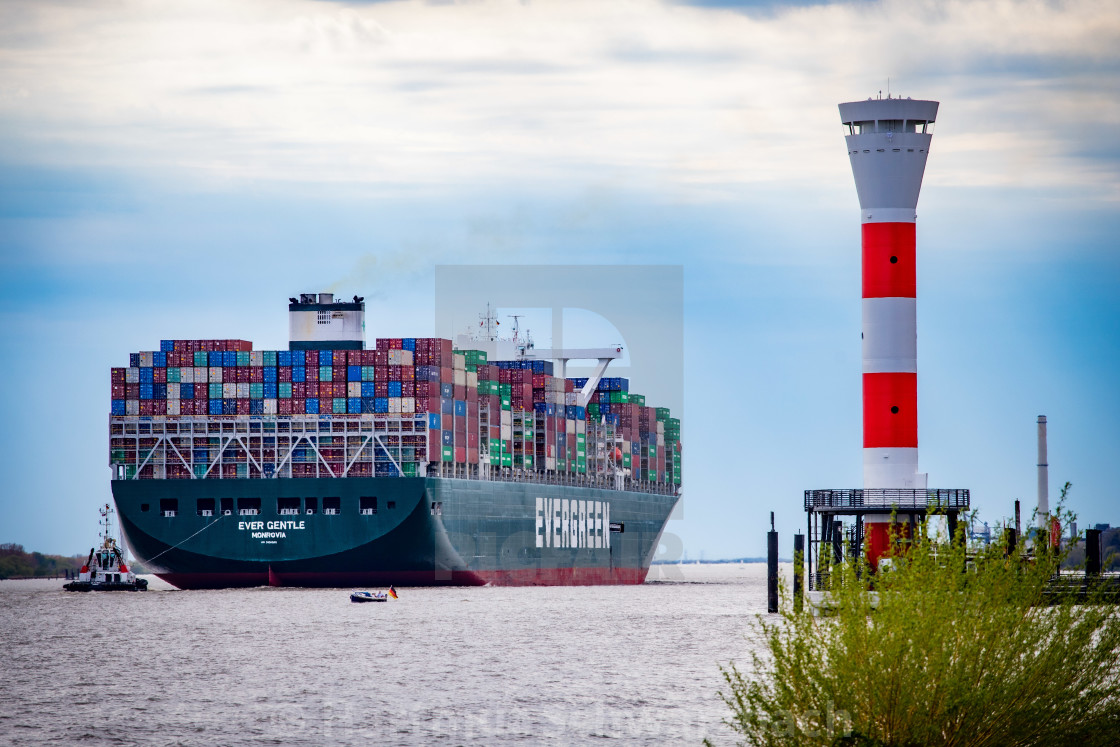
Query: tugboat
105	570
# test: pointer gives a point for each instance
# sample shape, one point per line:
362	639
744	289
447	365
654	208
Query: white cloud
642	93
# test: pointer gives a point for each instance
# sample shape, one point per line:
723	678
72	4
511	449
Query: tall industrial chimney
888	142
1043	478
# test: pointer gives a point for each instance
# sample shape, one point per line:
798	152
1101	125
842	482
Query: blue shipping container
381	404
269	374
159	359
353	373
447	438
447	390
216	406
284	358
166	346
186	391
354	405
312	406
256	407
433	421
461	407
326	357
299	374
117	407
395	389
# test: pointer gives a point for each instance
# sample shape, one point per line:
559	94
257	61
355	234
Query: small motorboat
373	596
105	569
369	596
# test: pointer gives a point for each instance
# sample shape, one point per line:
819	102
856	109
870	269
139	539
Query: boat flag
392	592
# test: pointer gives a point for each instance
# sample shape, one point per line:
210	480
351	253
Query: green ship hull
419	532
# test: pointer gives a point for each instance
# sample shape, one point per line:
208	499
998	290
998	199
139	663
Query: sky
179	169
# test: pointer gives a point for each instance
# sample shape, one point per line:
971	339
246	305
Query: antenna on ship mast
489	322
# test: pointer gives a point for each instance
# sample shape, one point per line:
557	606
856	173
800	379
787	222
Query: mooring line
200	531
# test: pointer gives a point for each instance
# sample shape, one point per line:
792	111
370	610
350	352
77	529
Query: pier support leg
798	570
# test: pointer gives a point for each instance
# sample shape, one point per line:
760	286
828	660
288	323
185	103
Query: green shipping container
506	390
448	453
662	413
284	389
270	357
625	460
408	469
326	373
173	376
507	460
256	391
201	359
243	358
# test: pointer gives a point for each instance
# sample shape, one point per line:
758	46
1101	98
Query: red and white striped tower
888	142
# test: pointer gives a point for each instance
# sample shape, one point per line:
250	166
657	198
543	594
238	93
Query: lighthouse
888	143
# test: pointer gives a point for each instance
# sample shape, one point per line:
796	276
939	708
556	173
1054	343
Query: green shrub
949	650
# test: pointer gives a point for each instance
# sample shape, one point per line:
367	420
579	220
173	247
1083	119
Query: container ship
418	462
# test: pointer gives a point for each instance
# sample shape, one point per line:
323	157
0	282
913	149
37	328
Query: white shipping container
506	432
173	393
550	462
354	389
570	398
215	376
172	407
507	418
394	404
459	362
569	425
270	407
581	426
460	377
661	427
132	375
145	360
242	391
229	391
554	398
186	375
132	407
201	375
472	379
660	439
400	357
256	358
408	404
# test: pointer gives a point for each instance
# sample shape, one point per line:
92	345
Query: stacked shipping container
451	409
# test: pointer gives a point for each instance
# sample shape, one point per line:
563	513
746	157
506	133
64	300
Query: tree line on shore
15	562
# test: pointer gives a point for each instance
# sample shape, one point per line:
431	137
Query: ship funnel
317	322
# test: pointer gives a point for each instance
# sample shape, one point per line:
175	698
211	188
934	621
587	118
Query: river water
490	665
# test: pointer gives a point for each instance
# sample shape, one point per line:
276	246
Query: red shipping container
472	397
117	375
339	389
284	407
256	375
298	406
472	439
118	391
310	358
353	357
446	374
504	376
460	426
472	456
408	388
495	432
381	389
460	392
284	374
243	407
325	390
382	345
460	454
338	373
408	373
472	411
311	373
338	358
394	373
132	391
